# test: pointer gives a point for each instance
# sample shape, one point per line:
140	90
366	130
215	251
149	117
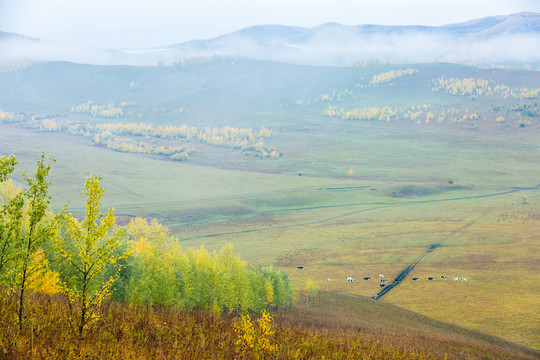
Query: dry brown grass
144	333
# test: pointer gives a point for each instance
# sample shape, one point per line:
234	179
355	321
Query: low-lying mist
326	45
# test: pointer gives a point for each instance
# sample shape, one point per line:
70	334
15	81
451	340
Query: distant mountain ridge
520	23
495	40
14	36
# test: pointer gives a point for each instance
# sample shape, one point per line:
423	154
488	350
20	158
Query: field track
432	247
402	275
377	205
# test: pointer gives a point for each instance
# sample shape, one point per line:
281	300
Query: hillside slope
497	40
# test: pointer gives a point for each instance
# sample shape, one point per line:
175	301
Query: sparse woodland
80	265
174	142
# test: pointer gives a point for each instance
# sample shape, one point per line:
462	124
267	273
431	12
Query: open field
346	198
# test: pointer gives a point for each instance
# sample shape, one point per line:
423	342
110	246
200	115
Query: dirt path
378	205
402	275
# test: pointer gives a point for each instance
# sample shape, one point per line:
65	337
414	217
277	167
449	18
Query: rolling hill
375	163
498	40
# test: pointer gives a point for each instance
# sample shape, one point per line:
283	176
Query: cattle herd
384	281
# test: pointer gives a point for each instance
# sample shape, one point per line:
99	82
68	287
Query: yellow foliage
43	280
257	340
141	247
477	87
391	75
216	310
10	116
14	66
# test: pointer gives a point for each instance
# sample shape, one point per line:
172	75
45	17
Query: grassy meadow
346	198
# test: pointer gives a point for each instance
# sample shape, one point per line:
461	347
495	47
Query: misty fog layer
511	40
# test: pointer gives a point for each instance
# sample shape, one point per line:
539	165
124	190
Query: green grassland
412	184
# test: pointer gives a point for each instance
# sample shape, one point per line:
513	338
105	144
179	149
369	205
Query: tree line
419	114
388	76
104	111
474	88
140	138
15	66
90	260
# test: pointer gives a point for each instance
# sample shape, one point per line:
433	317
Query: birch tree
88	250
29	229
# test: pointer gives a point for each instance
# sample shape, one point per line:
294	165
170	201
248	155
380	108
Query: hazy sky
146	23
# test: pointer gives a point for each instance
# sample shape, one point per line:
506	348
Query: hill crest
495	40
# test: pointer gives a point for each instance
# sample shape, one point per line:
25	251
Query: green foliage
87	249
87	256
10	215
312	289
24	230
153	264
527	110
162	274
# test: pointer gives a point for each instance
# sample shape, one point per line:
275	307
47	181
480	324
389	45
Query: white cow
455	279
464	279
350	279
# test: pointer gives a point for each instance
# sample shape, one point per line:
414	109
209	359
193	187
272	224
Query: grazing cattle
329	280
350	279
367	278
300	267
443	277
414	279
383	280
430	278
463	279
455	279
382	285
381	275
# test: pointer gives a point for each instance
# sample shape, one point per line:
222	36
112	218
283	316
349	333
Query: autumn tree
87	249
7	220
153	263
26	227
312	289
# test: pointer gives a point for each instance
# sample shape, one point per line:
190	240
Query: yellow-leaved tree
88	251
312	289
153	264
24	228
